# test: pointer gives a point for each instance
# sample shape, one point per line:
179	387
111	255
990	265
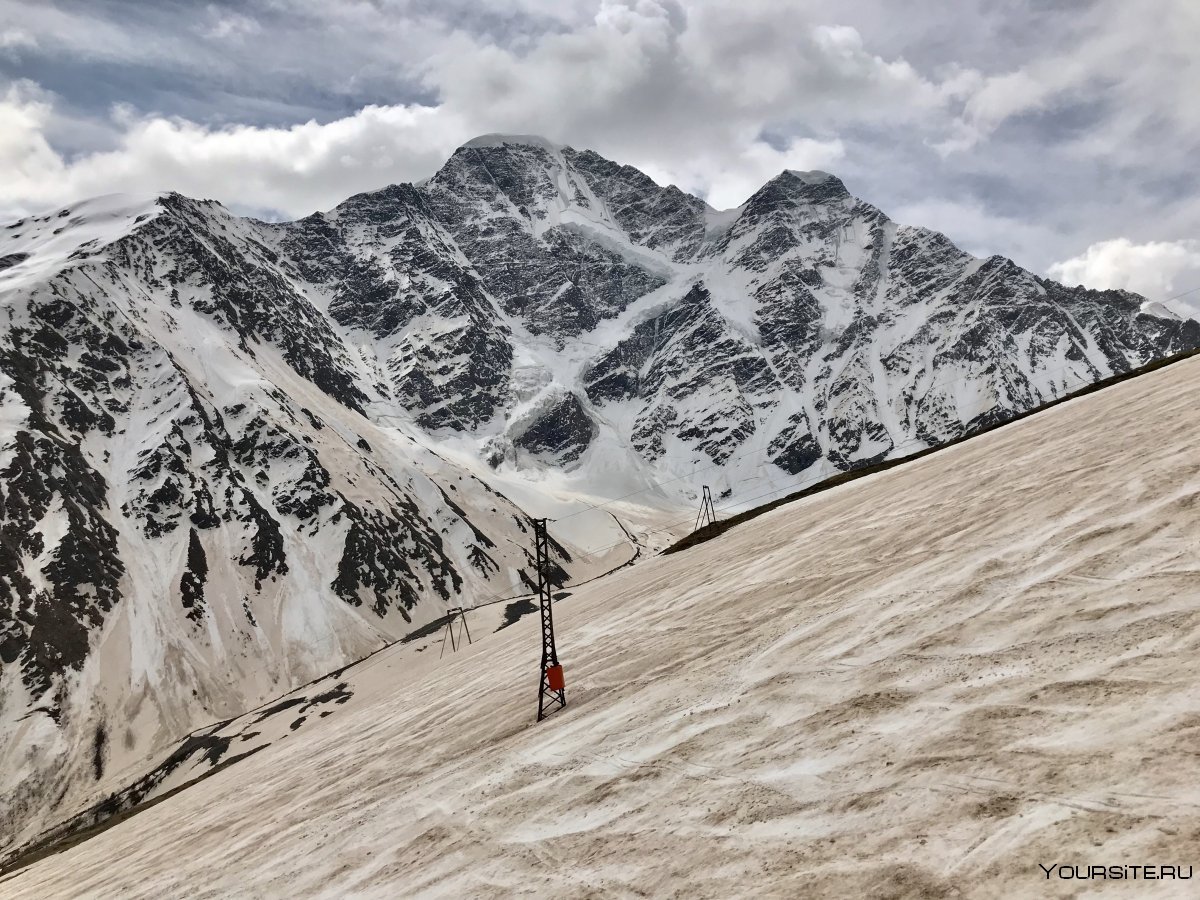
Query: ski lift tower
552	692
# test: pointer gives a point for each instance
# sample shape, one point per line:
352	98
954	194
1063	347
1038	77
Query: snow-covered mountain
235	454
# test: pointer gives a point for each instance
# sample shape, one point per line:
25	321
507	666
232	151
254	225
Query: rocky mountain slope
235	455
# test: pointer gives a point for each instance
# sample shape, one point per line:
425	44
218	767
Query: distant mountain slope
237	454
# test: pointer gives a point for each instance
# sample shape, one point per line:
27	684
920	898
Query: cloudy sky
1061	133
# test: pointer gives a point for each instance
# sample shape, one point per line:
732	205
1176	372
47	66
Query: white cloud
976	229
726	182
989	102
13	38
1153	269
687	98
1141	65
295	169
231	26
642	82
26	157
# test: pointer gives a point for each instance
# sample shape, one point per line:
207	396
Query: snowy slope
920	684
235	455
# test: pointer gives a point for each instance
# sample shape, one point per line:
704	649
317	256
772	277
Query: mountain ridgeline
237	454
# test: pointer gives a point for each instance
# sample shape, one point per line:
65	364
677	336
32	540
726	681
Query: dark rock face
56	595
656	217
562	432
686	353
795	449
191	585
789	318
239	287
555	278
448	353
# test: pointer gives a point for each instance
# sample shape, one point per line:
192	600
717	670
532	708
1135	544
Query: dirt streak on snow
921	684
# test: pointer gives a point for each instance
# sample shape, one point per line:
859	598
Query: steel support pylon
452	613
708	512
552	693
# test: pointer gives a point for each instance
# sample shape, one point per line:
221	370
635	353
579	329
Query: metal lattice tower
708	512
552	692
456	612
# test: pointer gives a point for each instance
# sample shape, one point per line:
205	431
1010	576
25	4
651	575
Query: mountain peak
790	186
38	245
815	176
815	184
511	140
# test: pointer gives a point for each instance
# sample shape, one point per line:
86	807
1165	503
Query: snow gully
1116	873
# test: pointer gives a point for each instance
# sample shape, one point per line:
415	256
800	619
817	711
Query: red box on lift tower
554	678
